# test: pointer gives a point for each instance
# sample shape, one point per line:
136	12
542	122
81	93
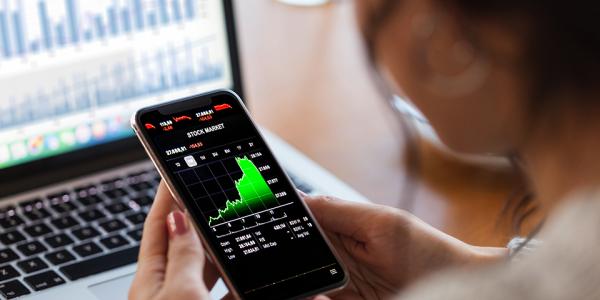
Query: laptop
75	186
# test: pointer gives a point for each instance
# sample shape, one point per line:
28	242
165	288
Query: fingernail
177	223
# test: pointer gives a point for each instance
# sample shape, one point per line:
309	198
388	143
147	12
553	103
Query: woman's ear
447	66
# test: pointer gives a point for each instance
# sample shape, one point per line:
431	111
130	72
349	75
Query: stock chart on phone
73	71
236	190
239	197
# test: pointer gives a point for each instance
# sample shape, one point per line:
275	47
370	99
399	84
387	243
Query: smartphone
253	223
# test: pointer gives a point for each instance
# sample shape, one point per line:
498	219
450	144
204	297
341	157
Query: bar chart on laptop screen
73	71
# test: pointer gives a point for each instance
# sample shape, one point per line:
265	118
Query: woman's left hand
171	263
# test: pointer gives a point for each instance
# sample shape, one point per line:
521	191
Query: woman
510	77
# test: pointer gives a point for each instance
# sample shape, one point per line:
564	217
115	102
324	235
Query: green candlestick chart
254	194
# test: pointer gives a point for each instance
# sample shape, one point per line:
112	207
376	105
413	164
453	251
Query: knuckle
189	248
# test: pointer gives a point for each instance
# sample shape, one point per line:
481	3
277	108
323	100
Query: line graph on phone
234	188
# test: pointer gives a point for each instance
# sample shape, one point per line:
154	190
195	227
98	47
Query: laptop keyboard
66	236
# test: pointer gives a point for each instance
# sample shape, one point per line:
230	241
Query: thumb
185	255
343	217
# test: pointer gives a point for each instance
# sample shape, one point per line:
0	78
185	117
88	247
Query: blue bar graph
152	21
19	34
126	20
6	46
88	35
99	26
73	20
61	38
34	46
71	28
176	10
164	14
168	69
112	20
45	24
189	9
139	14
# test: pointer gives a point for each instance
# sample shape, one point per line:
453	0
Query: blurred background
306	79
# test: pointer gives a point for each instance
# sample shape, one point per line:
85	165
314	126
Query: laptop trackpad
114	289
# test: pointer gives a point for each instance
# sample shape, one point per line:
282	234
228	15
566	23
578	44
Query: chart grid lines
210	182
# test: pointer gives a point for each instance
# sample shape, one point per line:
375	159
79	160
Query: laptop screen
73	71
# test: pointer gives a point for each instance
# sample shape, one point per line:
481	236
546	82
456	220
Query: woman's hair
561	39
561	44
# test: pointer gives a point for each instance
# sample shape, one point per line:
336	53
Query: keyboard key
116	193
37	229
64	222
36	214
87	249
85	192
136	234
100	264
60	197
32	265
61	206
44	280
141	186
112	225
32	204
7	272
90	200
8	210
91	215
143	200
58	240
31	248
112	184
11	221
85	233
137	218
117	207
115	241
7	255
13	289
11	237
60	257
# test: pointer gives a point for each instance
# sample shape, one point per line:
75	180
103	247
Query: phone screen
239	196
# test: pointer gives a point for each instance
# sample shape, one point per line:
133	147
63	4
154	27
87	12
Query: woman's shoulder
565	266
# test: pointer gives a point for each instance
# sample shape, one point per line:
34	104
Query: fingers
154	241
185	256
153	248
343	217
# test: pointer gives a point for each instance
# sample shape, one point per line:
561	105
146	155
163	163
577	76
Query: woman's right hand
384	248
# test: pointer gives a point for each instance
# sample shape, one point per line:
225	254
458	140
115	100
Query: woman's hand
171	263
385	248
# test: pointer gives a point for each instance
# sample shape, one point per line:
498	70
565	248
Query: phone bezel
200	100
